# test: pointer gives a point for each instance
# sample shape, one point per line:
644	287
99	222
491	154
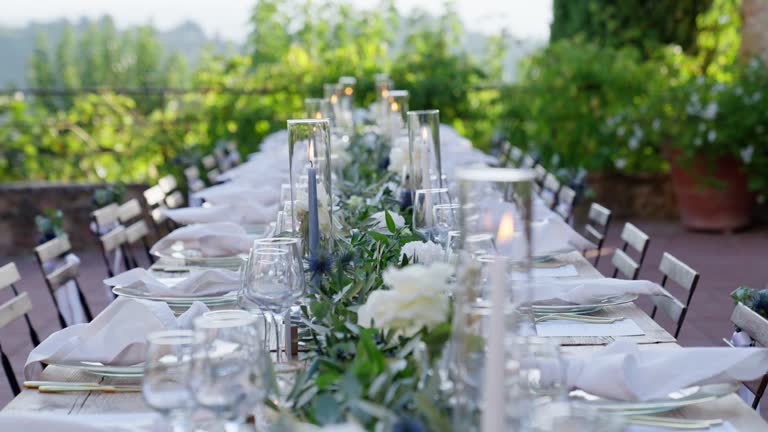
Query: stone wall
21	202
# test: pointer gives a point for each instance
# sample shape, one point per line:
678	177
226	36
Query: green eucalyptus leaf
390	222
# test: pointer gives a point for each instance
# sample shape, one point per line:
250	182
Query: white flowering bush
416	299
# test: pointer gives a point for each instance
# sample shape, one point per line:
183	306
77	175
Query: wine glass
164	387
446	220
228	369
423	203
274	280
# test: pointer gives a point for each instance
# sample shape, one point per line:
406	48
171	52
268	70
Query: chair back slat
635	238
528	162
174	200
113	239
678	271
565	201
551	183
594	235
53	248
625	265
154	195
672	307
751	322
515	155
9	275
209	162
213	176
107	215
196	185
541	174
14	308
63	274
599	215
130	210
136	231
191	173
158	216
168	184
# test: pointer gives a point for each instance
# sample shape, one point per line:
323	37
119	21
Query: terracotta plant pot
726	206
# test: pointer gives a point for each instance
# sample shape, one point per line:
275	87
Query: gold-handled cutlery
61	387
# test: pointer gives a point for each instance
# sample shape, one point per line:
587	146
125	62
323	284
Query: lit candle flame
506	228
384	93
424	134
395	107
333	98
318	115
311	152
348	91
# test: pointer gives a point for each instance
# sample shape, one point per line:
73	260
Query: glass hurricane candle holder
346	102
397	115
492	293
309	149
424	148
317	108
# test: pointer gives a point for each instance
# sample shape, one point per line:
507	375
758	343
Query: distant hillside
17	45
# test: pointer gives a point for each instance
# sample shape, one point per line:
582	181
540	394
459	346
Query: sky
228	18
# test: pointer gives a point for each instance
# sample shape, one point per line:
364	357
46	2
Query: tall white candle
493	417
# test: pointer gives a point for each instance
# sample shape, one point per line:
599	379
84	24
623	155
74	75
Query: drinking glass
424	148
274	281
317	108
423	216
542	368
446	220
574	417
167	365
453	245
228	365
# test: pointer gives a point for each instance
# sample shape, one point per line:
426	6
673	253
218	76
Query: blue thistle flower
320	265
406	200
408	425
383	163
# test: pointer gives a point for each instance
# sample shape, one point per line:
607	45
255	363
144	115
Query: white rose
323	201
417	299
422	252
379	221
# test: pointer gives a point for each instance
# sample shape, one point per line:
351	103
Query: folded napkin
243	213
234	193
199	282
47	422
212	240
622	371
554	235
116	337
589	291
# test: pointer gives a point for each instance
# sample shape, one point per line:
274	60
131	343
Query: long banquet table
730	408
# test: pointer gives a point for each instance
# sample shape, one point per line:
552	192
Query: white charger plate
96	368
219	300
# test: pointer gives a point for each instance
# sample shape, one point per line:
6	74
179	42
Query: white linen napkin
243	213
589	291
564	328
212	239
115	337
553	235
47	422
198	283
624	372
234	193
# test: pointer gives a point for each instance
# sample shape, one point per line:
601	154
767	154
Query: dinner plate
584	308
217	300
688	396
100	369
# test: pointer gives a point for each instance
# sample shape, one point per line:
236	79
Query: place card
564	328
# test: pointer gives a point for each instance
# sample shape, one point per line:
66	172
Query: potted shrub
716	137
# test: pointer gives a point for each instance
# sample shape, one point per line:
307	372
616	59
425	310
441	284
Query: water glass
446	220
423	216
167	365
542	368
228	365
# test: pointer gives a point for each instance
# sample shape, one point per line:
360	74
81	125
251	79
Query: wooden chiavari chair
633	238
136	229
596	229
684	276
756	327
60	247
20	305
111	236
